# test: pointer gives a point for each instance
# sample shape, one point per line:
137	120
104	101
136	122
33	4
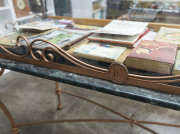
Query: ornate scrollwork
118	73
36	16
63	53
18	43
12	25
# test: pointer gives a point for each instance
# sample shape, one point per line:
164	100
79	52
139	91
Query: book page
170	35
37	26
122	27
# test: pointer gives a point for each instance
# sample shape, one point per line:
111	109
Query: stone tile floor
33	99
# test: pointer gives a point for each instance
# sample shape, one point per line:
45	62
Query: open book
122	33
122	27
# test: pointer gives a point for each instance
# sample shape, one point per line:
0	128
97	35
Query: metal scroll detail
18	43
36	16
117	72
63	53
12	25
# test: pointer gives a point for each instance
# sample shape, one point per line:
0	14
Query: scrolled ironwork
19	44
64	54
44	55
12	24
35	16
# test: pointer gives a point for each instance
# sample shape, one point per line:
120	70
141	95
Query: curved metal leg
58	92
2	71
15	129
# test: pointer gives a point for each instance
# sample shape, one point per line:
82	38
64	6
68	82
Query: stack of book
159	55
114	42
121	33
153	56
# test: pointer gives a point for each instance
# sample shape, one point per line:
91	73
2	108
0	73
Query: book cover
170	35
38	25
9	40
98	51
153	56
176	69
122	27
58	37
123	40
120	40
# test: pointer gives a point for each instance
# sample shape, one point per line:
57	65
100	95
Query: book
170	35
38	25
176	68
122	27
122	33
9	40
58	37
114	39
152	56
97	51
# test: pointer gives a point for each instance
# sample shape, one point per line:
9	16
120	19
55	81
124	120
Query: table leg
130	120
58	92
15	129
2	71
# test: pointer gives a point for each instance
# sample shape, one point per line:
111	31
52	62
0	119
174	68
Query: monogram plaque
118	73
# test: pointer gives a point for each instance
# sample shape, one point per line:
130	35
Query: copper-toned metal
12	25
154	78
155	83
63	53
58	92
16	55
11	119
118	73
96	120
2	71
111	110
36	16
131	120
15	130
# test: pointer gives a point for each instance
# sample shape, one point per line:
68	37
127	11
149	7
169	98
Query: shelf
4	8
30	16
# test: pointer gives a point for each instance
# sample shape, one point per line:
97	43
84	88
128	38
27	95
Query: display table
143	95
75	75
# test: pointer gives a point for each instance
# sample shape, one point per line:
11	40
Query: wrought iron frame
117	73
125	119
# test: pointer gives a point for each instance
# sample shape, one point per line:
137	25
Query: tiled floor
33	99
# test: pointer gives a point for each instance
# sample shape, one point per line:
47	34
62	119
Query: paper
37	26
122	27
100	50
170	35
149	36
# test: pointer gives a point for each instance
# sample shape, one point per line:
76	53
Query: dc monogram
118	73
